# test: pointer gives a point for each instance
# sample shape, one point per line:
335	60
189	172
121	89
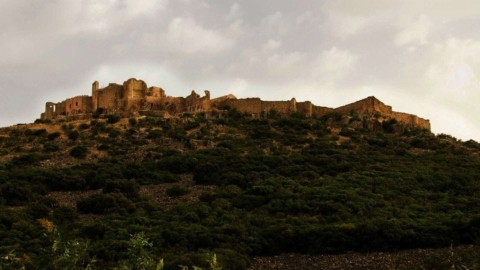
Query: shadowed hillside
238	187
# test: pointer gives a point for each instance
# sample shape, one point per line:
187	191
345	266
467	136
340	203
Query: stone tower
95	87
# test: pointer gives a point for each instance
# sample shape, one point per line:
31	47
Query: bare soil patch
405	260
158	192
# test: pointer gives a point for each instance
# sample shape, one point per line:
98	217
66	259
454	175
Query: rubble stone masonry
133	96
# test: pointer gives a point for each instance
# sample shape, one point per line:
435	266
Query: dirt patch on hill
461	257
158	192
70	198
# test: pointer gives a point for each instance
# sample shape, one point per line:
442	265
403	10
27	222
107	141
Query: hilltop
134	98
240	186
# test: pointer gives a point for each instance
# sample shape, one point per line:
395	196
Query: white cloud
142	7
453	70
344	25
414	32
235	12
287	63
277	22
238	87
334	63
271	45
189	37
305	17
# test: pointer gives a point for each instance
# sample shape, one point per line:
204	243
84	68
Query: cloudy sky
419	56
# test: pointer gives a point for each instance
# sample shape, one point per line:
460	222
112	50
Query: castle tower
49	110
134	94
293	105
95	87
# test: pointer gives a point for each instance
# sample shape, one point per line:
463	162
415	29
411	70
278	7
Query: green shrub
83	126
127	187
37	210
79	151
154	134
98	112
40	132
50	147
177	191
113	118
132	121
73	135
105	204
53	136
419	143
64	215
27	159
114	133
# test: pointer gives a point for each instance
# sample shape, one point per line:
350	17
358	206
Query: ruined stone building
134	97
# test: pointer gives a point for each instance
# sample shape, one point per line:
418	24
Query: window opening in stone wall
76	104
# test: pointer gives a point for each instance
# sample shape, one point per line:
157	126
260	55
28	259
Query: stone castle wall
305	108
246	105
319	111
78	105
285	107
134	96
108	98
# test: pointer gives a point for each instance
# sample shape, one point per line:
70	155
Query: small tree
138	255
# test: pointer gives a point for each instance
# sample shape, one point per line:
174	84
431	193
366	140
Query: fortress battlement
134	96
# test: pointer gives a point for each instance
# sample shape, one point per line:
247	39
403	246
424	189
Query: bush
101	204
27	159
50	147
127	187
154	134
98	112
37	210
79	151
389	126
113	118
64	215
73	135
419	143
39	132
53	136
177	191
114	133
83	126
15	193
133	122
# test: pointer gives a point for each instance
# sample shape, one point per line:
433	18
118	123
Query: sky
421	57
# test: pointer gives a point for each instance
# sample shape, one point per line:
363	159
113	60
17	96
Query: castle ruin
134	97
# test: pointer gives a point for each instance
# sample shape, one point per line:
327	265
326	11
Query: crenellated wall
134	96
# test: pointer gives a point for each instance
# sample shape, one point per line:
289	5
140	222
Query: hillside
244	189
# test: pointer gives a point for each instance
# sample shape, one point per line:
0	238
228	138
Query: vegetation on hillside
283	185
